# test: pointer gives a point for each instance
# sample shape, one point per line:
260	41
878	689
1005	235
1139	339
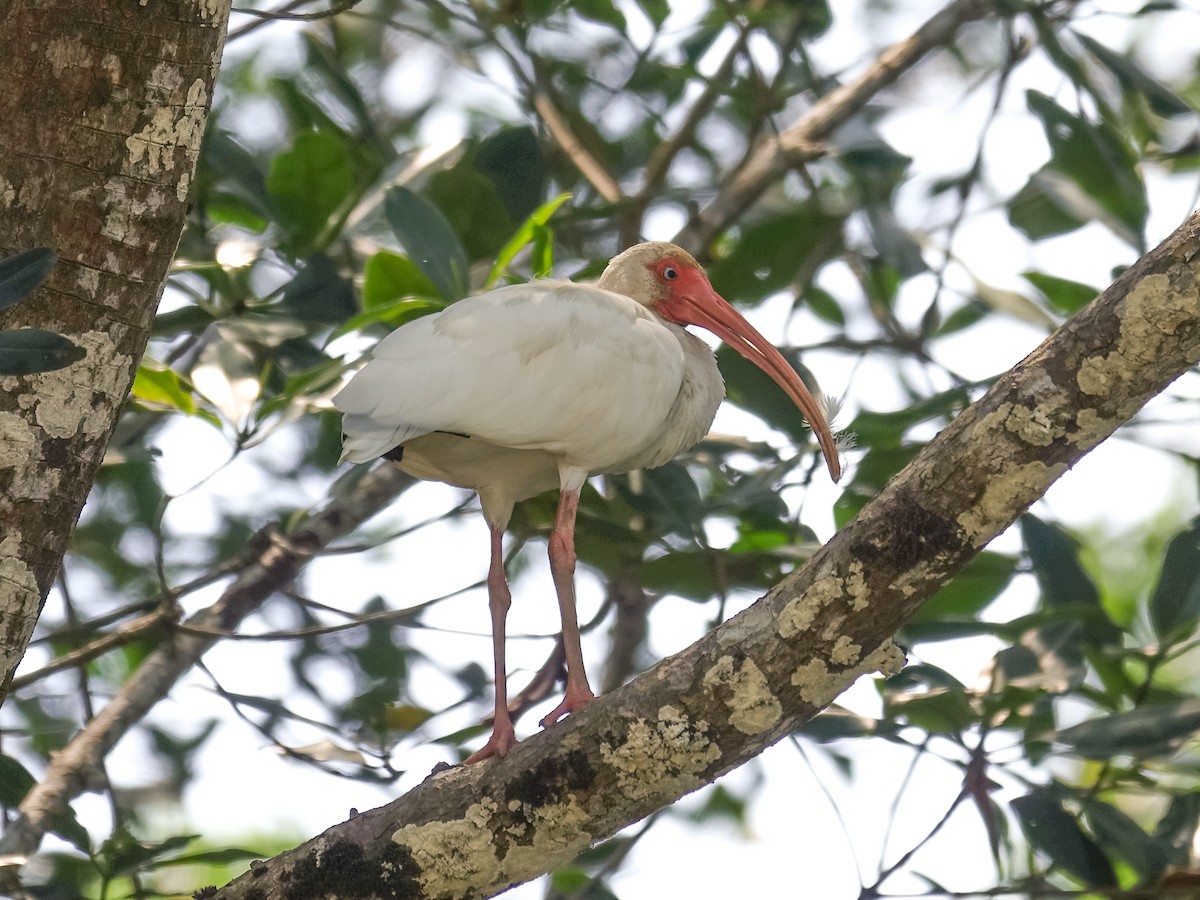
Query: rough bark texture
473	831
102	113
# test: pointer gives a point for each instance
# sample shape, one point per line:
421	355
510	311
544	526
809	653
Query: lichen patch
753	708
557	834
455	855
1150	315
18	591
78	399
1005	496
800	612
1093	428
171	127
661	758
1033	426
818	686
63	54
845	652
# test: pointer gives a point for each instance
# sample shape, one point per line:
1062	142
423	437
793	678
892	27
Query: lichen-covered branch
472	831
272	566
102	118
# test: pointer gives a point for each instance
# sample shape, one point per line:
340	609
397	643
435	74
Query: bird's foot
502	740
575	700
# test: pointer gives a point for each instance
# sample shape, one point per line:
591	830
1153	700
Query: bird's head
667	280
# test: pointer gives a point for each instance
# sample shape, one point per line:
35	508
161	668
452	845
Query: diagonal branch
476	830
585	161
776	154
279	557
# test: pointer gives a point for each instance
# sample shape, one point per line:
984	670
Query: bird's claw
574	701
502	740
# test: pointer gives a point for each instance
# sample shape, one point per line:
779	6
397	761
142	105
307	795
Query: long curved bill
703	306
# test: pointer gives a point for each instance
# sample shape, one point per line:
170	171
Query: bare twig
802	141
588	165
352	501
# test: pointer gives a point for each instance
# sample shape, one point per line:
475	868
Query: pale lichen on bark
798	615
552	831
753	708
665	756
456	854
818	685
80	398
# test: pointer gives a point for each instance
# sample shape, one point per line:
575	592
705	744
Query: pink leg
503	737
562	567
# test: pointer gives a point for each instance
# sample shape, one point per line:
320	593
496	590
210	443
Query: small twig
352	500
803	140
284	13
588	165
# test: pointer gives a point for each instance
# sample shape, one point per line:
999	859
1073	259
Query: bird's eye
670	273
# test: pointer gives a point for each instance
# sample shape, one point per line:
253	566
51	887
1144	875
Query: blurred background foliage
366	168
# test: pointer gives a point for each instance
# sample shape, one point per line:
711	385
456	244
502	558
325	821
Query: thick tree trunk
100	125
473	831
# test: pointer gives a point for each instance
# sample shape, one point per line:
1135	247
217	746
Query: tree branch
472	831
585	161
800	142
353	499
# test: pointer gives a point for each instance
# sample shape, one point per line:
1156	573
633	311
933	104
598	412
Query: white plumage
528	387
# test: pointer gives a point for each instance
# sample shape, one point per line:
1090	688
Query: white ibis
528	387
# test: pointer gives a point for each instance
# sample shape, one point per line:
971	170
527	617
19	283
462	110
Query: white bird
534	386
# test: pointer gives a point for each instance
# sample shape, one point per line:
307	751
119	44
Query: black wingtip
395	454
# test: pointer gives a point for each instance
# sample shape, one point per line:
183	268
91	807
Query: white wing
580	372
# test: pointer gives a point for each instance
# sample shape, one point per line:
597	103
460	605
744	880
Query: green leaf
1066	296
823	305
22	272
512	159
157	384
1175	603
769	255
1152	730
524	235
27	351
656	10
1055	558
430	241
1120	834
1176	830
929	698
319	293
309	182
470	203
394	314
1055	832
15	781
602	11
1135	79
1038	210
389	277
1099	167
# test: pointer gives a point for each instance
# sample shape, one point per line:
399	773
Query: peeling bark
103	114
472	831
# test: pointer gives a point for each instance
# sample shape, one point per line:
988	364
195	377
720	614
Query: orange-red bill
699	304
